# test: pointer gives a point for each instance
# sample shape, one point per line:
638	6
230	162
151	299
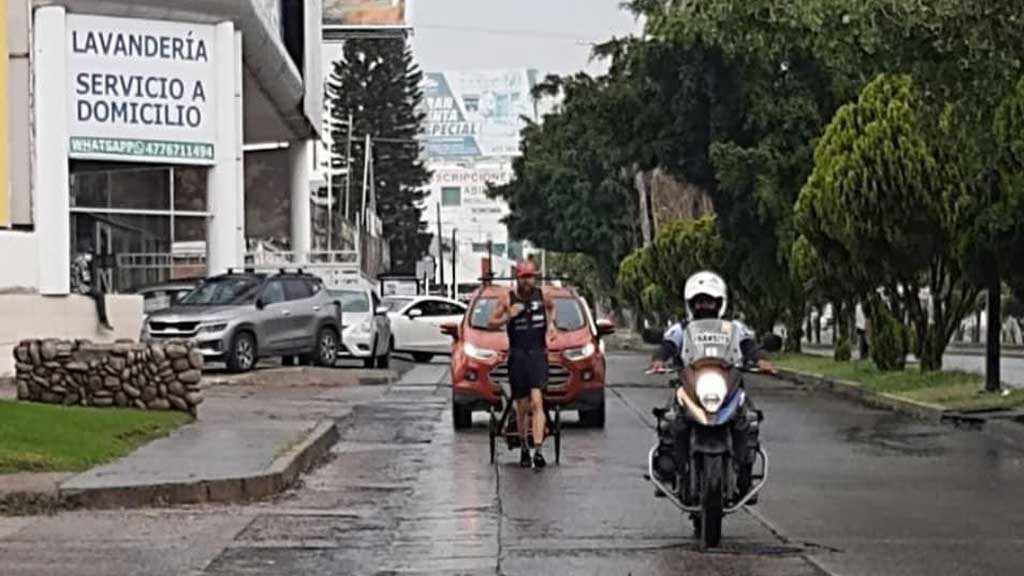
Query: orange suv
576	360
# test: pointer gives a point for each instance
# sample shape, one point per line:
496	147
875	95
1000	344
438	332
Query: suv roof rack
491	278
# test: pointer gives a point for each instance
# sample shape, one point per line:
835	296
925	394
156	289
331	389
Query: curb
855	391
1005	430
282	473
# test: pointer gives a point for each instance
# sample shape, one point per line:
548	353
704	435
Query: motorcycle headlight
213	328
477	353
711	389
577	354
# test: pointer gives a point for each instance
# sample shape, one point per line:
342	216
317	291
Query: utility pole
544	265
455	252
330	204
490	258
348	166
993	312
440	246
367	167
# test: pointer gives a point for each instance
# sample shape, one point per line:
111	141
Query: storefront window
126	189
145	225
190	189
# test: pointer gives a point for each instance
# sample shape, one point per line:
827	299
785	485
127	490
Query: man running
527	315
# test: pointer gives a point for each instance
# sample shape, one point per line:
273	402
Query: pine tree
377	81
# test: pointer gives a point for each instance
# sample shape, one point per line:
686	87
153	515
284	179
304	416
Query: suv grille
558	375
172	329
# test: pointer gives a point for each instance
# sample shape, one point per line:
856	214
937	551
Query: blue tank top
528	330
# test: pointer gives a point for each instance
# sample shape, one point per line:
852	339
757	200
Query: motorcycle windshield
710	340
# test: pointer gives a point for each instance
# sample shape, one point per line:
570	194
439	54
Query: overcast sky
552	36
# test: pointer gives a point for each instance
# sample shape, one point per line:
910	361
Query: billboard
476	114
366	14
141	90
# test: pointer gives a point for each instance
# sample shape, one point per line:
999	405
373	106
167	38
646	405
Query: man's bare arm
500	316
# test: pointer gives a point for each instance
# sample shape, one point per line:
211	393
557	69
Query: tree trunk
977	326
993	341
841	341
794	331
931	350
817	326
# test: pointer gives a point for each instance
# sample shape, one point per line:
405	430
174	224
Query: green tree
892	197
581	271
682	248
378	82
569	194
653	278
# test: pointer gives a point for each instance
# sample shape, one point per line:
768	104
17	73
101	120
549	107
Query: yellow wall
5	180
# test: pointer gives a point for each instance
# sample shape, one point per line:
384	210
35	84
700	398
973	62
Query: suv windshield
223	291
568	314
353	301
483	308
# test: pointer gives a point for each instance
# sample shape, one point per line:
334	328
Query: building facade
471	135
132	126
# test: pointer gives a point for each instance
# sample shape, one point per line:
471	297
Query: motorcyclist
706	297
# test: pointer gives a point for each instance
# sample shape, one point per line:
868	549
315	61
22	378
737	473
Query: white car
416	324
367	331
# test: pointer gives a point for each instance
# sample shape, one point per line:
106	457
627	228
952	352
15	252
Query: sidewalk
255	434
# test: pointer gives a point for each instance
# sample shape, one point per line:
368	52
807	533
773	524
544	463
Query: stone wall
156	376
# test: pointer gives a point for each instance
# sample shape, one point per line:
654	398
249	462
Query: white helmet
707	284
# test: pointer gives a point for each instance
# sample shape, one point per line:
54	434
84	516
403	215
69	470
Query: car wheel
422	357
326	347
462	418
593	418
242	355
371	360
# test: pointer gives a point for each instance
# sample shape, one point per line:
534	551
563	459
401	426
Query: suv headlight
577	354
477	353
711	389
213	328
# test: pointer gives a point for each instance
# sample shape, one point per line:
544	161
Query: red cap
526	269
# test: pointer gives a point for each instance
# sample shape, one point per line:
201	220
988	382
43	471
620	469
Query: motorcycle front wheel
712	499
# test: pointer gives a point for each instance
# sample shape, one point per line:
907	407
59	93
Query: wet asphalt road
854	491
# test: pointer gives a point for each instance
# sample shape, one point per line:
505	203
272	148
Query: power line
505	32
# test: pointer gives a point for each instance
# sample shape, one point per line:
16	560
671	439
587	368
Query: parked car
240	318
367	330
416	324
166	294
576	359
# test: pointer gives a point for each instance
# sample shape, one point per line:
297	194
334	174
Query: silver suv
240	318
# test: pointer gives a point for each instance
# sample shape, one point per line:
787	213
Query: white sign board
461	189
141	90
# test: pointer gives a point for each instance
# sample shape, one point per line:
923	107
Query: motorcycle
709	478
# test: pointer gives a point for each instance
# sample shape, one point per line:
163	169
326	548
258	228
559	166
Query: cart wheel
492	432
558	435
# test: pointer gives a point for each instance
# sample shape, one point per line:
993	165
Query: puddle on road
896	438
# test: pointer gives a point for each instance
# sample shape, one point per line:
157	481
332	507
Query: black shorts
527	369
